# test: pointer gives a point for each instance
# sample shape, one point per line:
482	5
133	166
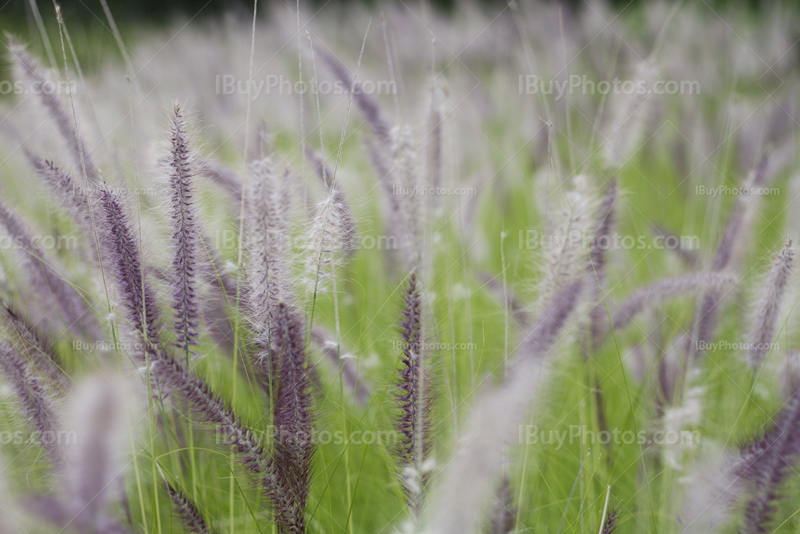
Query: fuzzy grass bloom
343	213
769	303
293	415
565	261
34	401
495	420
72	196
331	236
65	123
368	106
121	247
185	235
685	284
269	285
765	463
503	519
92	465
734	239
394	158
406	181
414	402
34	345
628	116
53	287
711	491
187	510
597	262
284	368
611	523
95	460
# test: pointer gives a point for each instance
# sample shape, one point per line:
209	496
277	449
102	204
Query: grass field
544	283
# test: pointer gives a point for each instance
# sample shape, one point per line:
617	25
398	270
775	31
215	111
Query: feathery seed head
566	255
64	121
768	306
97	417
330	239
121	246
185	237
267	229
187	510
47	280
35	403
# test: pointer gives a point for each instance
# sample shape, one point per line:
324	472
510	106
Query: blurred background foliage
19	12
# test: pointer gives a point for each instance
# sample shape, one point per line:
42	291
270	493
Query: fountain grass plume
344	214
187	510
503	517
733	238
597	261
495	419
434	136
72	196
611	523
121	246
627	117
52	286
34	401
33	344
712	491
383	167
369	108
180	170
406	182
63	119
566	257
414	402
768	306
94	460
764	465
667	288
267	273
395	225
293	412
330	237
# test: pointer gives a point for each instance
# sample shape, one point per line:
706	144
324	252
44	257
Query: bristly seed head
768	306
185	235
